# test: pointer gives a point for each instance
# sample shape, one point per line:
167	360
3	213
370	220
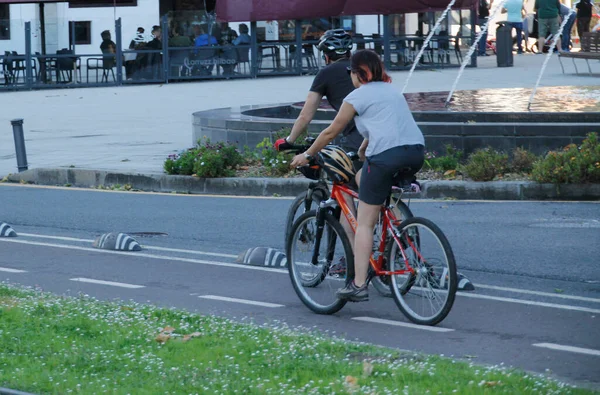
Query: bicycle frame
389	220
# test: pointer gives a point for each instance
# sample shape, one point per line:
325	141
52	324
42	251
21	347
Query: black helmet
337	164
337	40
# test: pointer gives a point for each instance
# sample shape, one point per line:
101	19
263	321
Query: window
102	3
4	22
83	32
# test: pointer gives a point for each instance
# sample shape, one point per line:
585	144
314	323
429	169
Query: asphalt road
535	267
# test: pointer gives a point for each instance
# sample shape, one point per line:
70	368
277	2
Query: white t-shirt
383	117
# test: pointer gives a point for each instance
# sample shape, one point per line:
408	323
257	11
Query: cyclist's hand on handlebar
299	160
282	145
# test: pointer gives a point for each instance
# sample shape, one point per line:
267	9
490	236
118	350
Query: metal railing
67	69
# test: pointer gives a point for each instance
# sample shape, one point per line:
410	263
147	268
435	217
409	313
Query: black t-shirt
105	46
584	9
154	44
334	83
484	10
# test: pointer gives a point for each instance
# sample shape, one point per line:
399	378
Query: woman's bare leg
363	241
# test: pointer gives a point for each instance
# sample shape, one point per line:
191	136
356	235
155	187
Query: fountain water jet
467	58
426	43
549	55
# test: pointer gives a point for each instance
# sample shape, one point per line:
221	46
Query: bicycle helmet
337	40
336	164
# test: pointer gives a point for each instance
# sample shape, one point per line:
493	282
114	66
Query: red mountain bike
413	256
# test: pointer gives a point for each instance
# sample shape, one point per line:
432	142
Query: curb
463	190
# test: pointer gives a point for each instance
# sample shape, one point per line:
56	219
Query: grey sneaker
353	293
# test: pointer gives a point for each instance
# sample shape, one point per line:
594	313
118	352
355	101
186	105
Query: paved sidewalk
134	128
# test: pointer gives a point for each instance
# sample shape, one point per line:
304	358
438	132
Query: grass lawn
61	345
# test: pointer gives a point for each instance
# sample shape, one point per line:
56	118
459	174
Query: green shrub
206	160
522	161
182	163
571	165
485	164
274	163
443	163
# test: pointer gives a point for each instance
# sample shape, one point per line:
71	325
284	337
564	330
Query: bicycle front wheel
426	295
301	204
316	282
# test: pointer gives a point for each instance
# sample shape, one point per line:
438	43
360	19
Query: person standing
584	16
484	14
565	12
515	10
548	11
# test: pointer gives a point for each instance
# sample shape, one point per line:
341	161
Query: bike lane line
242	301
561	347
10	270
403	324
102	282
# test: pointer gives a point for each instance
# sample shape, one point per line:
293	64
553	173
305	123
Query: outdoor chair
66	65
359	39
267	51
457	52
177	61
243	54
106	63
377	44
7	68
307	55
18	66
47	68
204	60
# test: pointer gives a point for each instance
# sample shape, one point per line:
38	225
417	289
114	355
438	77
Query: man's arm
342	118
311	105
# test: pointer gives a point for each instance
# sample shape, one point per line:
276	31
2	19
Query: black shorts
379	170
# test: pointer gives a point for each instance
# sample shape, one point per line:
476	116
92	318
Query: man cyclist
332	82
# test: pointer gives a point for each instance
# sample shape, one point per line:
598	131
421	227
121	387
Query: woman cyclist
392	143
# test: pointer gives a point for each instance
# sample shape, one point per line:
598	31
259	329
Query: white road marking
221	255
102	282
561	347
526	291
150	256
9	270
243	301
143	246
529	302
403	324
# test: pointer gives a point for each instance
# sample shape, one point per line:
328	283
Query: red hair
368	67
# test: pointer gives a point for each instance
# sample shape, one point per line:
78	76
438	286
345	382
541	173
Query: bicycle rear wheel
316	284
382	283
425	296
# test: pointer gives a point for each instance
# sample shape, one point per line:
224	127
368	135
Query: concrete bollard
17	125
